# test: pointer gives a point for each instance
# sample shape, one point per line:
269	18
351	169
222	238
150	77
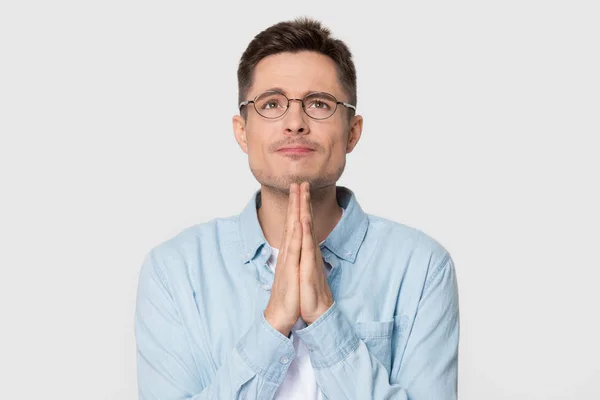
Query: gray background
481	127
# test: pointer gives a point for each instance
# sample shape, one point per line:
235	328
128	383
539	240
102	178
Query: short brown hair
301	34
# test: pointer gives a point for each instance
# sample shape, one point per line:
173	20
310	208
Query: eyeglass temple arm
347	105
245	103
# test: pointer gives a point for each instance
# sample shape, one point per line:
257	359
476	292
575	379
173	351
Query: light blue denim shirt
392	332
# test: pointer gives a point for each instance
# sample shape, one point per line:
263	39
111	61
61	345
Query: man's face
273	145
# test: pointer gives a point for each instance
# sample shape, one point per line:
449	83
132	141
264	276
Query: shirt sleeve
166	367
345	369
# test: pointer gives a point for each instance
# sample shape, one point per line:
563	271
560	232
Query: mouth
295	150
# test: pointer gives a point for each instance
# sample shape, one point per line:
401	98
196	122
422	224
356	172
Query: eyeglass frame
247	102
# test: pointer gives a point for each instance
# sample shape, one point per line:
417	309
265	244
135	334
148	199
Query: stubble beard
281	183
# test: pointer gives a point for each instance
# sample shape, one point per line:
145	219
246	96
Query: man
302	295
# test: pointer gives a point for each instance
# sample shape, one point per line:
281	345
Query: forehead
297	74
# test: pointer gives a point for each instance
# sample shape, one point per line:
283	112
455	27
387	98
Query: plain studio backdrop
481	129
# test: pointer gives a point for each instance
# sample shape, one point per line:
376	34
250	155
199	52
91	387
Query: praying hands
300	287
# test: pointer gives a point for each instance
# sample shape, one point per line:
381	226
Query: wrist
322	309
282	328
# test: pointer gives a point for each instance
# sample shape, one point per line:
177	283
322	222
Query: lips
295	150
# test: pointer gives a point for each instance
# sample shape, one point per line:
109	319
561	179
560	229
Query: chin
282	181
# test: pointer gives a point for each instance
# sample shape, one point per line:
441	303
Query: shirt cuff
266	350
329	339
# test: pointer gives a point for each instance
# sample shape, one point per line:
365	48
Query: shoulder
190	245
420	249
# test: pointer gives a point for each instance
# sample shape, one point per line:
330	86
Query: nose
295	118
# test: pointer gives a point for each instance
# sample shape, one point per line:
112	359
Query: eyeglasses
272	104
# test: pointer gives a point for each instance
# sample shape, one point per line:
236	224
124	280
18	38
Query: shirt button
266	287
284	360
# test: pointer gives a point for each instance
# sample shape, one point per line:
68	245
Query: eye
319	104
271	104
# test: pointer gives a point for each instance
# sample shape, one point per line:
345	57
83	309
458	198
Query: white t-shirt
299	382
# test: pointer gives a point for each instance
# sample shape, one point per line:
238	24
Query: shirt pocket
377	336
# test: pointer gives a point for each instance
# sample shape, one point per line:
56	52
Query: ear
239	130
356	125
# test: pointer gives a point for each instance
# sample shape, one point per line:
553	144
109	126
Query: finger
310	207
307	256
312	219
289	220
293	251
306	209
293	209
305	201
311	215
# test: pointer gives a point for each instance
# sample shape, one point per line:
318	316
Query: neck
273	211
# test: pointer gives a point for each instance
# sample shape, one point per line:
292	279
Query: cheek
338	145
258	146
256	151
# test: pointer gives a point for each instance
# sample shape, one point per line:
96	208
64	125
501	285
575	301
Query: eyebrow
280	90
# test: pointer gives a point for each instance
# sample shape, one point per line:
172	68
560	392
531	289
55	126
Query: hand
315	295
283	309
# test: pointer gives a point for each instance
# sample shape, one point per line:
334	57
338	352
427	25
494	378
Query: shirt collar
344	241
